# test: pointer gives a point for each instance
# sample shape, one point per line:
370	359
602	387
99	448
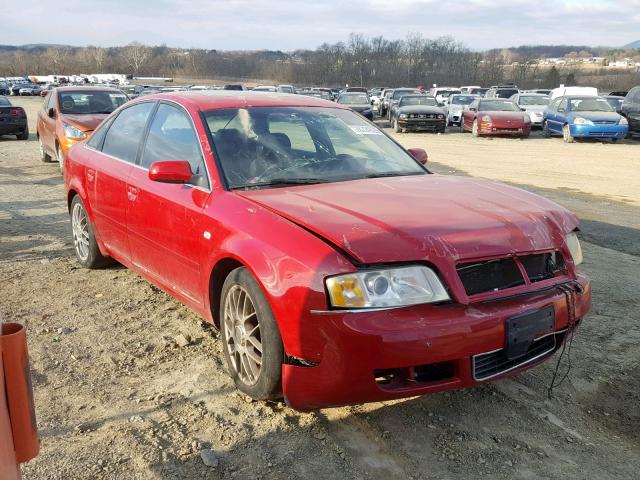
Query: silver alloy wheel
60	158
242	335
80	227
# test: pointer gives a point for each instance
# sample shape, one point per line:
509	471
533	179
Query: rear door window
125	134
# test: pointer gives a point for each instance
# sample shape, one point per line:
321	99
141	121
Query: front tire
474	129
566	135
396	127
546	133
60	159
84	240
44	156
250	336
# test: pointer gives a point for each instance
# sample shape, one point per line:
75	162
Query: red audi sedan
338	268
493	116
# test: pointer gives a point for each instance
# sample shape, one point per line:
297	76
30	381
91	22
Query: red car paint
501	123
292	238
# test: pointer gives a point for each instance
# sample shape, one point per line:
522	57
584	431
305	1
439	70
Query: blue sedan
583	117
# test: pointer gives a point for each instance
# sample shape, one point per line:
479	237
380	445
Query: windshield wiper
281	182
392	174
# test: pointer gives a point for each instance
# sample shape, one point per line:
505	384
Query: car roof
218	99
89	88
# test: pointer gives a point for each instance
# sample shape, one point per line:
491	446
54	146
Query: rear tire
250	337
546	133
84	240
24	135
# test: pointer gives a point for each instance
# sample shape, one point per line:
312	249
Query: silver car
457	104
30	90
532	103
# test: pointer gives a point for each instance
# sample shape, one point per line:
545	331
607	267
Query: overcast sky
290	24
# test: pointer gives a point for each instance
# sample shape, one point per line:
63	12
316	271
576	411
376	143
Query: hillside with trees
360	60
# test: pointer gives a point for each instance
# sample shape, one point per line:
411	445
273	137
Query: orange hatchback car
70	114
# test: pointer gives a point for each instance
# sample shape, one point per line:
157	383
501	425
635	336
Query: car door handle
91	174
132	193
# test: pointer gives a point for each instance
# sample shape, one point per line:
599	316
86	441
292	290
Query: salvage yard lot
118	396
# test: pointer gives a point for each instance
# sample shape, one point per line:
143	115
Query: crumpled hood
422	217
85	122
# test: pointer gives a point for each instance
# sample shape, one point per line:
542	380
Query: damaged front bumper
395	353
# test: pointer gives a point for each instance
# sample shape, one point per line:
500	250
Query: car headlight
623	121
72	132
389	287
486	118
440	116
582	121
403	116
574	247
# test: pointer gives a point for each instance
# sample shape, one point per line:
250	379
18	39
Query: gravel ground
130	384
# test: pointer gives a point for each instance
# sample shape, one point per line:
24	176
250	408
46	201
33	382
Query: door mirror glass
419	154
173	171
51	113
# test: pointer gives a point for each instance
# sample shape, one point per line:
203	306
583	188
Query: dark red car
338	268
493	116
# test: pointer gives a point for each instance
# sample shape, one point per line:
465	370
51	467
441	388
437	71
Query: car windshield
533	100
353	99
447	93
462	99
417	100
88	102
615	102
590	105
505	93
399	93
262	147
497	106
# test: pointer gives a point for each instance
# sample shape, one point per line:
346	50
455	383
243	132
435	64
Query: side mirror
51	113
419	154
472	109
174	171
561	110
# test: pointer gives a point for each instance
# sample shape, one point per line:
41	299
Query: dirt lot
117	398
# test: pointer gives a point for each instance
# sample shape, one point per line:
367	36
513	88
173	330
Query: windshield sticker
365	130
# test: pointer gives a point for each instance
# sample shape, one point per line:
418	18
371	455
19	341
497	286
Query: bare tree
136	56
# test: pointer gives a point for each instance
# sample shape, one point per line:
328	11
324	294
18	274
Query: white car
532	103
286	89
457	104
265	88
442	94
469	88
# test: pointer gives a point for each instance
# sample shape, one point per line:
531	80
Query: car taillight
16	112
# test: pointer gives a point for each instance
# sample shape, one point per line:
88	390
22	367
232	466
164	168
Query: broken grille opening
502	273
490	275
392	378
491	364
543	266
